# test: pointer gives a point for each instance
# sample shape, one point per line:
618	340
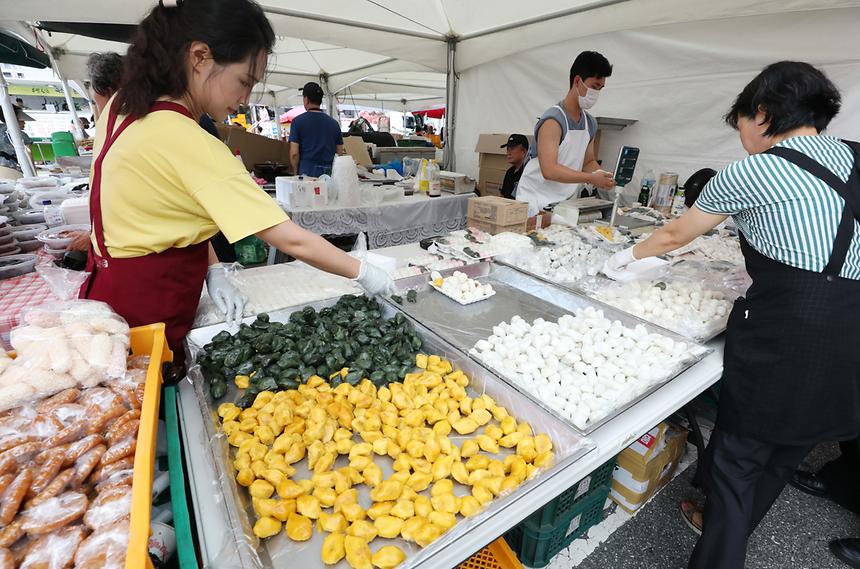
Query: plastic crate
561	506
145	340
537	547
497	555
178	498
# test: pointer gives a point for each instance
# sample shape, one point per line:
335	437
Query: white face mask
590	98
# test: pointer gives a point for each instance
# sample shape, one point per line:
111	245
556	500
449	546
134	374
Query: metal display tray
240	549
518	293
576	289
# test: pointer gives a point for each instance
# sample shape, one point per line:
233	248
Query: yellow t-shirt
167	183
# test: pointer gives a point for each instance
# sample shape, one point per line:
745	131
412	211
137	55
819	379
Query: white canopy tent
677	62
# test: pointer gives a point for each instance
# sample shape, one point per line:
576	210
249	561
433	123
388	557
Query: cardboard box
636	477
495	228
357	148
253	147
498	210
455	183
489	188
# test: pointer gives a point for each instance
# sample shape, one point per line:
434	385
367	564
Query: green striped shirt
785	213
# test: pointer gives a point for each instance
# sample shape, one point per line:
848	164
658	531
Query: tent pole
14	131
329	96
451	84
76	122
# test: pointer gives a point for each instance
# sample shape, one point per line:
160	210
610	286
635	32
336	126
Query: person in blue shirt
315	137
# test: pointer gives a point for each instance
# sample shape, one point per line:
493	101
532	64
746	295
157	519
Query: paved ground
794	535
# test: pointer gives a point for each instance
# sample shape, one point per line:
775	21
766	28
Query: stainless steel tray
519	294
577	289
279	551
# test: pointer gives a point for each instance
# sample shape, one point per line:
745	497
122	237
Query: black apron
792	356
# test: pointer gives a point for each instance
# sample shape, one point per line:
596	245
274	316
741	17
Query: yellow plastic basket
497	555
146	340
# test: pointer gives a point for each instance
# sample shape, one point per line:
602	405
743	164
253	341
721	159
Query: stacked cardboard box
497	215
646	466
492	163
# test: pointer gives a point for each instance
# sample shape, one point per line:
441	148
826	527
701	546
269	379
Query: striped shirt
785	213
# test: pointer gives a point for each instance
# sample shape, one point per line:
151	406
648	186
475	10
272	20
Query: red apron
158	287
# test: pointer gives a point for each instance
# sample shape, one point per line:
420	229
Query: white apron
539	192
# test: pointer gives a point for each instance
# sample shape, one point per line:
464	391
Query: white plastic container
76	211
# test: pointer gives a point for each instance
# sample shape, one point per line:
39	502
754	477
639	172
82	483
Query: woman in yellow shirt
161	186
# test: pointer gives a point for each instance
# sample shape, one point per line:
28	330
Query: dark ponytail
155	65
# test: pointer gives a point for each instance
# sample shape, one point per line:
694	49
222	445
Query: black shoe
848	550
809	483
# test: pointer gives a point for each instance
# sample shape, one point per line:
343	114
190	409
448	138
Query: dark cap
312	90
516	140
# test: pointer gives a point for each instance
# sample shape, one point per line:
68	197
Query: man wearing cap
7	150
315	137
517	154
564	140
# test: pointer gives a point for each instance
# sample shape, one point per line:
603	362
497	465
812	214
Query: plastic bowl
29	217
27	232
58	238
16	265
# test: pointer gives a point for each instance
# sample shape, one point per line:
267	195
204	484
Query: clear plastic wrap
78	343
241	548
565	257
695	307
64	283
59	483
584	366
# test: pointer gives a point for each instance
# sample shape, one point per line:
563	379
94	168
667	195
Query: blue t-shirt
318	136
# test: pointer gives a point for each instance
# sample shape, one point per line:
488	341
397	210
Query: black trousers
842	475
743	478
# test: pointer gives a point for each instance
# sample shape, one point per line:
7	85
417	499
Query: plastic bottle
423	180
647	187
678	205
434	187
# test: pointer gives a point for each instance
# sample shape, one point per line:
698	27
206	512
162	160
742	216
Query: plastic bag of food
78	343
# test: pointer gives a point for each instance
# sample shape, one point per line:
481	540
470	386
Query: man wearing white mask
564	140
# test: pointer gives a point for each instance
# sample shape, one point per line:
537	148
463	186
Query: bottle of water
434	178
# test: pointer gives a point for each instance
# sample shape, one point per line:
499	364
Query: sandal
693	515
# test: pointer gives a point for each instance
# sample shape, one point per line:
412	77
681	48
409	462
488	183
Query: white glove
619	260
226	297
375	281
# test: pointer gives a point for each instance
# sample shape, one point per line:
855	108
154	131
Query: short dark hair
792	94
313	92
590	64
105	71
155	63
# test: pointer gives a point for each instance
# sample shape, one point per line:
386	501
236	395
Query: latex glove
619	260
738	280
602	179
375	281
226	296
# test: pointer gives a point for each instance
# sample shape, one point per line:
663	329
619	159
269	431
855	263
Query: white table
215	535
407	219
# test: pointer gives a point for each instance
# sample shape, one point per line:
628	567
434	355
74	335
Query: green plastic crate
561	506
537	547
186	558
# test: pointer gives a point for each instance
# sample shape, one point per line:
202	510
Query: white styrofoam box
76	211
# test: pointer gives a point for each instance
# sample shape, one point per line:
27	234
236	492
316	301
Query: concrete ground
794	535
